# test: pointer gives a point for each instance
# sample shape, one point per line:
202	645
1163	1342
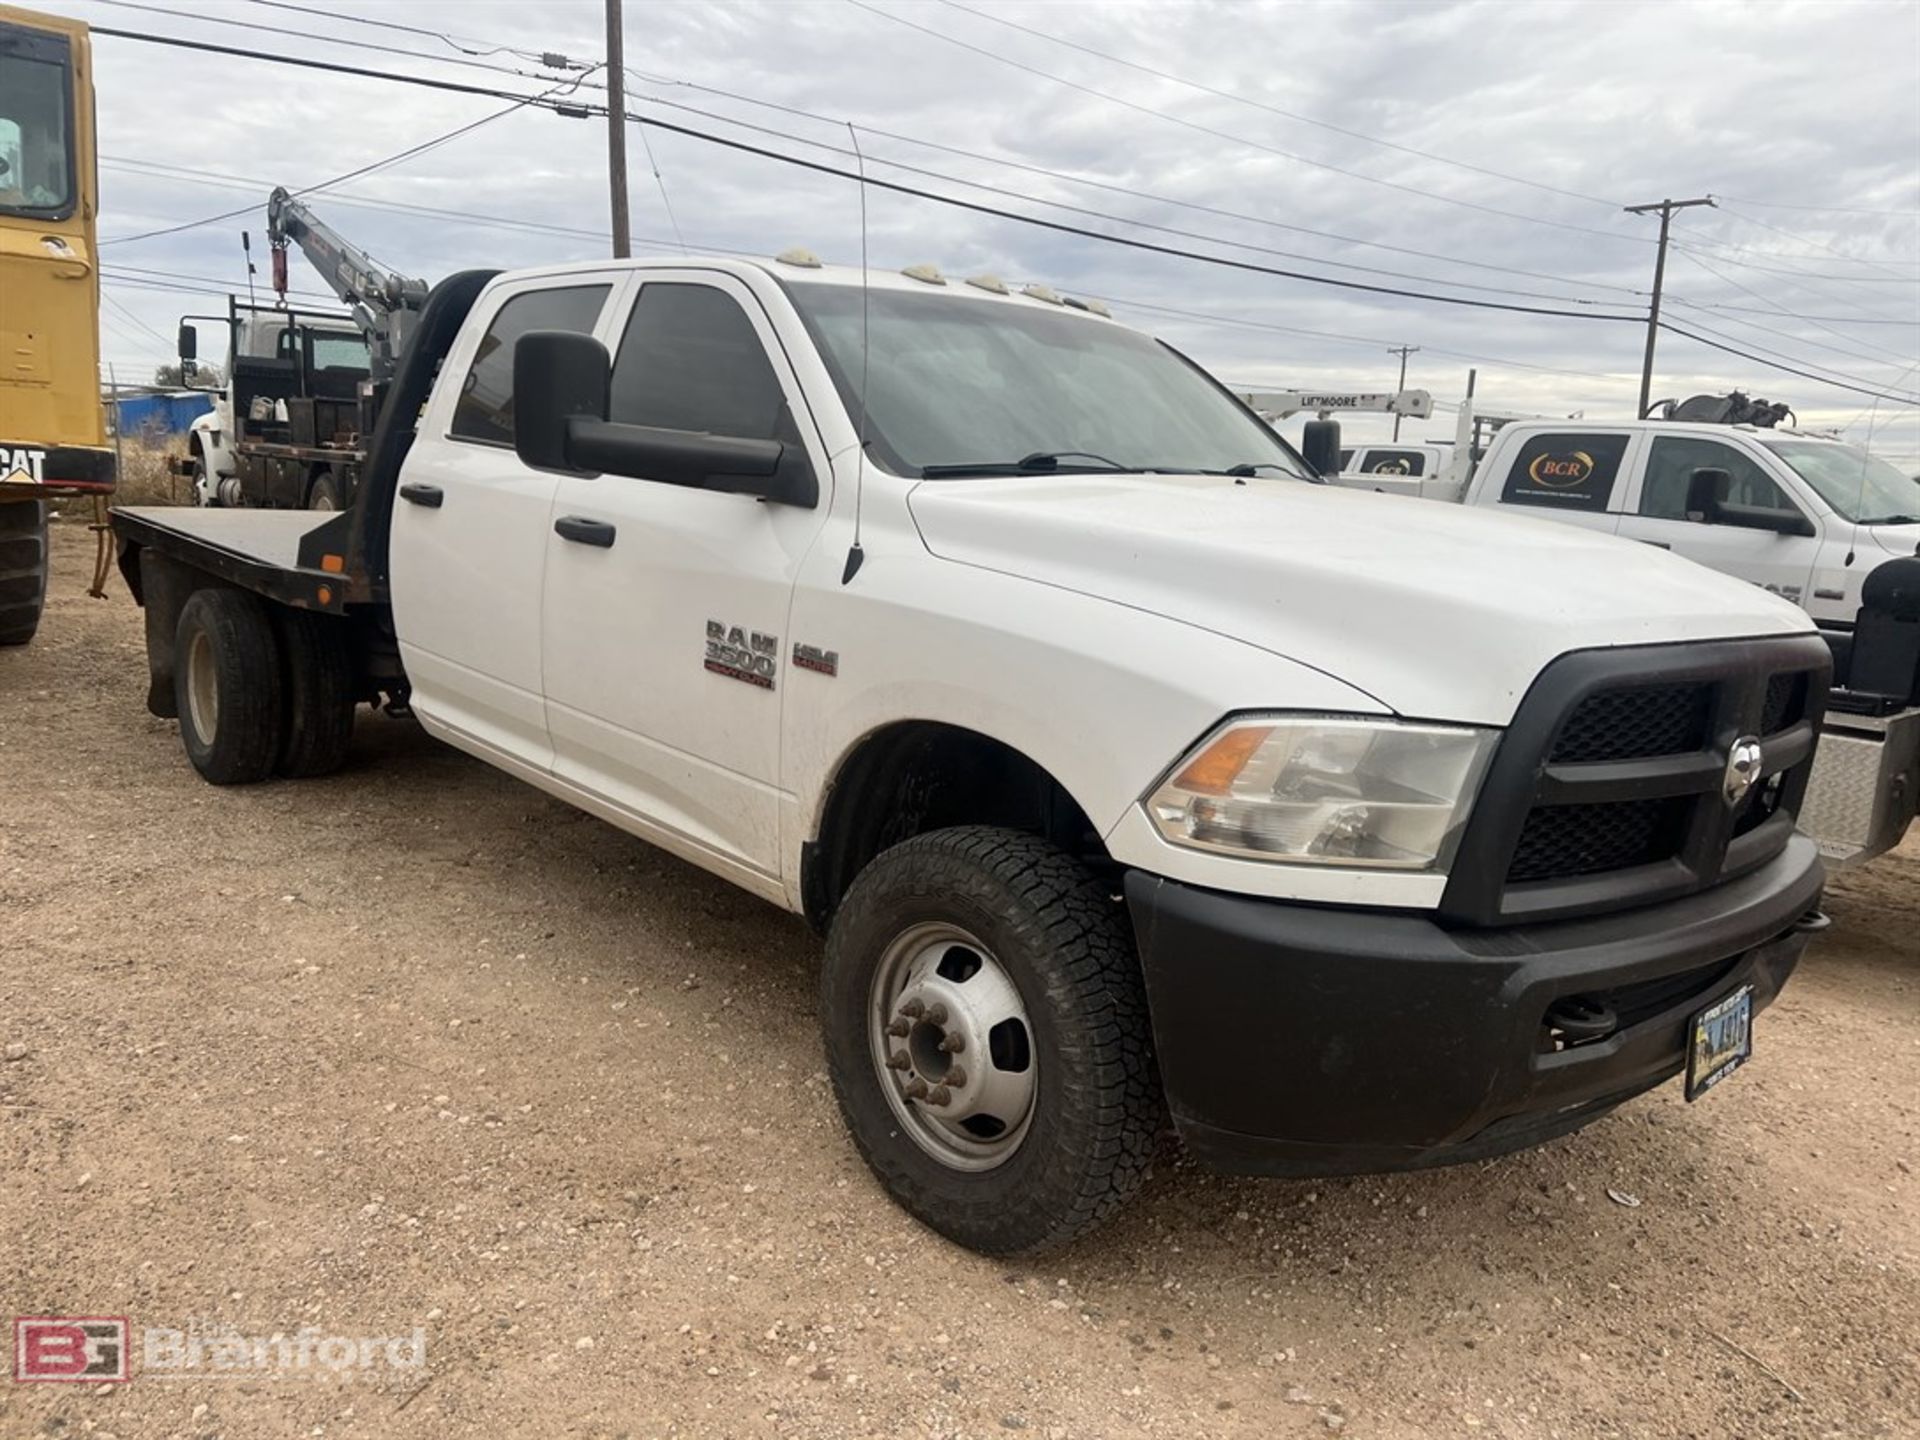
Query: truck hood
1436	611
1897	539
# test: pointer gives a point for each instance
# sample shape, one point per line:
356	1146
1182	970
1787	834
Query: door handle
583	531
430	496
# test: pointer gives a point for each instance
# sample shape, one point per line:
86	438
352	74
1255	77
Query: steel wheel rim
203	693
952	1046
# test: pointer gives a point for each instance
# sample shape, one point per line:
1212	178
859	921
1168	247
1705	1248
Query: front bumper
1304	1040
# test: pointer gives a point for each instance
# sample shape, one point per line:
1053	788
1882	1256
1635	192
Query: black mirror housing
764	468
1707	490
559	376
187	342
1320	447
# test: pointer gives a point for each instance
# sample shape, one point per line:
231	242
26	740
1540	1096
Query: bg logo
1560	472
71	1349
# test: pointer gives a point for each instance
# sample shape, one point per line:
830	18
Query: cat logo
23	466
1560	472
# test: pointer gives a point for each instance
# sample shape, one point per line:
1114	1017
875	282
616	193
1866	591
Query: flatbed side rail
227	558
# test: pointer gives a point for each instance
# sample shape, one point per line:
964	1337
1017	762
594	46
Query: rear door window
1565	470
484	411
1395	462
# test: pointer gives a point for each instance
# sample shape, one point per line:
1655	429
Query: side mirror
561	383
558	376
1707	490
188	342
1320	446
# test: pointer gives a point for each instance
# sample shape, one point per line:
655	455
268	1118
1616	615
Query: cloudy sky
1480	151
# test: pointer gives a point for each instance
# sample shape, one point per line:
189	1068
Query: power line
445	38
1275	109
1823	209
975	207
1748	290
1817	244
896	187
410	152
1788	369
1238	139
1808	274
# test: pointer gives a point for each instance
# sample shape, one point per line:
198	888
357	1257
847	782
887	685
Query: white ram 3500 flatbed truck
1122	771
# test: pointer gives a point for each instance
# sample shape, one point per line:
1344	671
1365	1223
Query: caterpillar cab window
36	124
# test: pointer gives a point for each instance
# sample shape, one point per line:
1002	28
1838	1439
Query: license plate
1719	1041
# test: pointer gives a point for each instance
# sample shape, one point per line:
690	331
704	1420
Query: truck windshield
36	146
1861	487
961	385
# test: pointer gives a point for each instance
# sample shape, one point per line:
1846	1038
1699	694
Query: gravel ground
415	1046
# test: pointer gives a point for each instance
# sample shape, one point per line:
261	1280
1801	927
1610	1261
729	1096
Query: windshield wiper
1891	520
1041	462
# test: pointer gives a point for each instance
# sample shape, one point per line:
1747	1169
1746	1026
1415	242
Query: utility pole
1402	351
617	131
1666	209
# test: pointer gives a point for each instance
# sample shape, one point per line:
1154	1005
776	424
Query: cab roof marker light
1073	303
798	256
992	283
925	274
1041	292
1100	308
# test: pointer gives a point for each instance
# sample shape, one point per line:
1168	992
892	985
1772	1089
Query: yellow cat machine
52	430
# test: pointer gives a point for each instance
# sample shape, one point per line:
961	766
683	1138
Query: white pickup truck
1123	771
1817	521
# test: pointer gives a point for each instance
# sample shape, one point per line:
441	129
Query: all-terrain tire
23	569
1064	942
228	686
320	696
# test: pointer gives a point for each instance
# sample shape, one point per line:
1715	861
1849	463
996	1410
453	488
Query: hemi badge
812	657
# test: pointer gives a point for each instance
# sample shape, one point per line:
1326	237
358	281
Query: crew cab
1123	772
1810	518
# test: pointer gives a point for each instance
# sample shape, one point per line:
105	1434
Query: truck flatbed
257	550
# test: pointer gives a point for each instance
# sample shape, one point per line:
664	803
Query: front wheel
23	569
987	1035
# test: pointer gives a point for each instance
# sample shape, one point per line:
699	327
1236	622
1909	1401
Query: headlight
1324	790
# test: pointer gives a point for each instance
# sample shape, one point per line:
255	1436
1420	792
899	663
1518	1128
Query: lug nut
939	1095
956	1076
954	1044
937	1013
913	1009
916	1088
898	1060
898	1028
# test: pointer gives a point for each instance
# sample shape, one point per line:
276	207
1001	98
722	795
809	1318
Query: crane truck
1122	771
303	388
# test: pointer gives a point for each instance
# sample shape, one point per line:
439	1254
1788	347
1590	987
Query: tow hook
1580	1020
1813	922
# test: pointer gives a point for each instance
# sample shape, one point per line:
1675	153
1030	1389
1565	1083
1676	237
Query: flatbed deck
258	550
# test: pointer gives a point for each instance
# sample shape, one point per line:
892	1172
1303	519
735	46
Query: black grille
1609	786
1635	723
1786	699
1561	841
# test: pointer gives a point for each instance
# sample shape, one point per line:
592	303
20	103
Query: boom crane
384	304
